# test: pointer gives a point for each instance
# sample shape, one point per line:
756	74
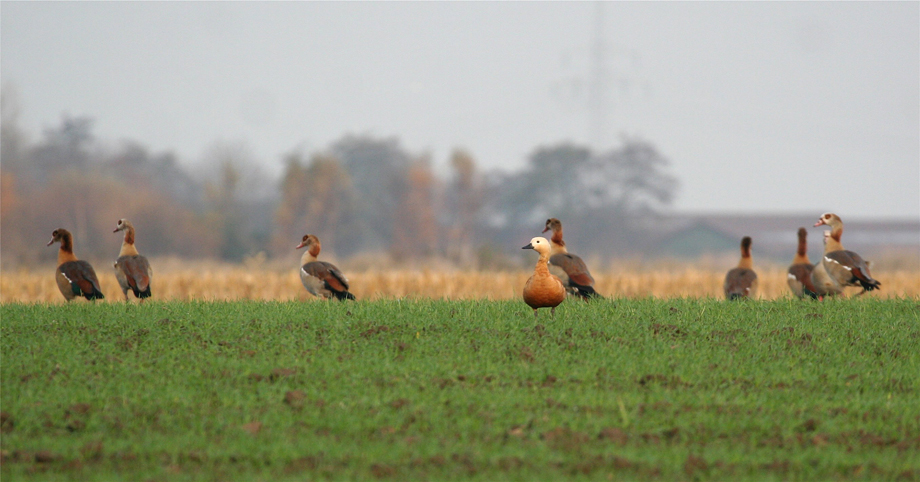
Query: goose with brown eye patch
319	277
820	280
843	267
74	277
132	270
543	289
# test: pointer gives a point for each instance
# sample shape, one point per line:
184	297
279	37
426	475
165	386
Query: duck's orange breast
543	291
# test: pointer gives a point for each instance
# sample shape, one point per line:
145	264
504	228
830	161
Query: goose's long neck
801	255
746	260
65	253
833	242
558	245
542	266
307	257
127	246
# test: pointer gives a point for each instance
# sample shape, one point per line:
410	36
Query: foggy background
452	130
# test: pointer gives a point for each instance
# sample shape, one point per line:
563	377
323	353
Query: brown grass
179	280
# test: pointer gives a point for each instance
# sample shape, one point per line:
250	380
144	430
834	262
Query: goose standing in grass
844	268
570	268
74	277
799	273
131	269
319	277
741	282
543	289
821	282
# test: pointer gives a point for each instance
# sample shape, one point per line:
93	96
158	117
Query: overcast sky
760	106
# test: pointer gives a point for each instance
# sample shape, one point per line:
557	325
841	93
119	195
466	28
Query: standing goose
799	274
131	269
543	289
74	277
570	268
845	268
319	277
741	282
821	282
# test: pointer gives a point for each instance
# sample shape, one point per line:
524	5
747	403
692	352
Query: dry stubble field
182	280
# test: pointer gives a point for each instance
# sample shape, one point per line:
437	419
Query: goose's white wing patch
838	263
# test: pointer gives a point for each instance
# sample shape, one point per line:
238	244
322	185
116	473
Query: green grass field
476	390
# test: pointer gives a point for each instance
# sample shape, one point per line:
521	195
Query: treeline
360	195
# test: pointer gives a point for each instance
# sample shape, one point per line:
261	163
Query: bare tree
377	168
415	233
465	198
611	196
316	199
551	185
233	185
631	180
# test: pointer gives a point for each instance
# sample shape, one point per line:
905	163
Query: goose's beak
529	246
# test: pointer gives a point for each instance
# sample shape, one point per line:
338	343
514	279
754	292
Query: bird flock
557	274
78	278
838	268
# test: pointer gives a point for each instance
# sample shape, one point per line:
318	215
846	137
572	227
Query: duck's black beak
529	246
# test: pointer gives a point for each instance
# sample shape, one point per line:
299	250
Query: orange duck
543	289
799	273
319	277
131	269
74	277
570	268
741	282
844	268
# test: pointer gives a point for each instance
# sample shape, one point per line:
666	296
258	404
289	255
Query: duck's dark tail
344	295
94	295
586	292
141	294
866	281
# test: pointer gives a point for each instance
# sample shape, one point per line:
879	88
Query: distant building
774	236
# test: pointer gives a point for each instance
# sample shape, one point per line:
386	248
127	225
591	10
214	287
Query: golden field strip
176	280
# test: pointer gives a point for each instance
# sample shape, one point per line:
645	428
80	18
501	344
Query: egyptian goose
131	269
74	277
799	274
741	282
543	289
845	268
569	268
821	283
319	277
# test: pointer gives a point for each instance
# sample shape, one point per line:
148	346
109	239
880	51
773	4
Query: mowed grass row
681	389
